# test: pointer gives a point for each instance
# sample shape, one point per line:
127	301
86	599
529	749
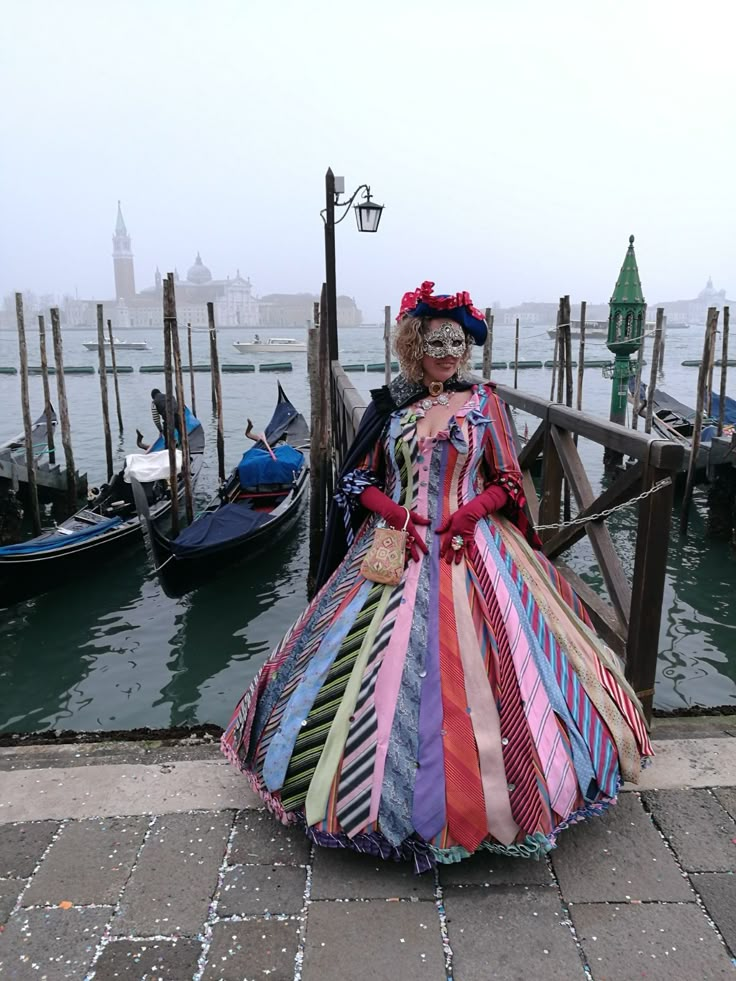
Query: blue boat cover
231	521
729	414
192	424
257	468
44	542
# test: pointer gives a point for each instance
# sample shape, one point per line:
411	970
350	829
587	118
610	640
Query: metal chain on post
604	514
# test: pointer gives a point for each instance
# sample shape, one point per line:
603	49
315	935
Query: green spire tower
625	330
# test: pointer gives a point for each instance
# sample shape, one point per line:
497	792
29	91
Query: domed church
235	305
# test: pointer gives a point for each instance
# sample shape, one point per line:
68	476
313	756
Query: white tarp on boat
147	467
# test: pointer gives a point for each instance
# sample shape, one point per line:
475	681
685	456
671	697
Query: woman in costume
470	705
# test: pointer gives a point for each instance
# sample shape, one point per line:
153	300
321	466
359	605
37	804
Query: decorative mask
446	340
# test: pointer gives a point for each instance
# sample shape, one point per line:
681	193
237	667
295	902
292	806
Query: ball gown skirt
471	706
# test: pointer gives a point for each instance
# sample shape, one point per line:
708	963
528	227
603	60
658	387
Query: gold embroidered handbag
385	559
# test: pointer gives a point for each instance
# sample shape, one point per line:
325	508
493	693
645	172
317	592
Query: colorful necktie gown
471	706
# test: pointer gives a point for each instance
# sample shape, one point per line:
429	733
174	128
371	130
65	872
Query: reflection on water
113	652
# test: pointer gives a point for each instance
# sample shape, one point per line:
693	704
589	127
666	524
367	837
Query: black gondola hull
180	575
28	574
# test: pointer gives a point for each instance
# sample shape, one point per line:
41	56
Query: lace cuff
352	485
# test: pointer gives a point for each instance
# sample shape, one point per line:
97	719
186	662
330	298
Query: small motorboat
272	345
258	502
84	543
119	345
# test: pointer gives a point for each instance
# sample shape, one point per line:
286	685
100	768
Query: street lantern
368	213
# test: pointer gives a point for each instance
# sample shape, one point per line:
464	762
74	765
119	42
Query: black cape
384	401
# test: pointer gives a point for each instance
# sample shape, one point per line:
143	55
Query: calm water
112	652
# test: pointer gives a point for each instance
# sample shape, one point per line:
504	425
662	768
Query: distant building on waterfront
297	309
234	302
235	305
695	311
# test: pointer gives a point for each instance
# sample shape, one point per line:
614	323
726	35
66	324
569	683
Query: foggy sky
516	145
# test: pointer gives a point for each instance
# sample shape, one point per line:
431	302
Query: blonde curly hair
408	343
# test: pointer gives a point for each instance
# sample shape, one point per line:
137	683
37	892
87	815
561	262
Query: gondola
257	503
675	421
84	542
12	453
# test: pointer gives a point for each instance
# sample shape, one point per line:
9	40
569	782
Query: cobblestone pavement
647	891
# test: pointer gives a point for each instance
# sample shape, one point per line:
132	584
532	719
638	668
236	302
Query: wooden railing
630	622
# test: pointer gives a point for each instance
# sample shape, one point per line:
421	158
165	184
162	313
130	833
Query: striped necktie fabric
466	812
311	740
356	777
585	715
330	606
523	768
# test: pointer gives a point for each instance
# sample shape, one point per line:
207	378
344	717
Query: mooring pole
561	363
660	366
724	371
66	430
325	371
555	360
103	389
708	408
27	424
568	351
186	467
658	339
387	343
113	358
637	383
516	355
710	337
46	390
566	345
191	368
488	345
317	459
581	356
170	315
217	388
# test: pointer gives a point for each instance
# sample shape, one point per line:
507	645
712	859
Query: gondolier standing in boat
158	411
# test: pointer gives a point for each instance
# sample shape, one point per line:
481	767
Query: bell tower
122	260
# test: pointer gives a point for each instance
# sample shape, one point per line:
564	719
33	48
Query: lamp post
367	215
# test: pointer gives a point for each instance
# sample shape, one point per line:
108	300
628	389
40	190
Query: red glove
395	515
463	521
